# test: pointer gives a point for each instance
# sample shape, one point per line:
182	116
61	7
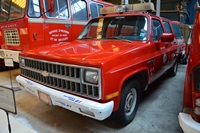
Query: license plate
45	97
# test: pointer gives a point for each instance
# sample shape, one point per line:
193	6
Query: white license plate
45	97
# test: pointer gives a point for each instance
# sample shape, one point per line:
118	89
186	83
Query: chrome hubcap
175	68
130	102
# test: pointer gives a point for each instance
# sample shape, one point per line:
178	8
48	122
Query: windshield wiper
119	38
87	37
4	10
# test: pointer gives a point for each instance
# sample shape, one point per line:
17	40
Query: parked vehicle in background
187	32
189	118
26	24
105	70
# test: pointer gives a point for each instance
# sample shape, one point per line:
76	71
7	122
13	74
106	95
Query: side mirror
50	5
189	39
167	37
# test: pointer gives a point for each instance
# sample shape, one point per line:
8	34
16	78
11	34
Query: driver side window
60	9
34	8
157	29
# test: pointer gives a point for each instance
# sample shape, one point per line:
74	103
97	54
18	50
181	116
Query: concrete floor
157	112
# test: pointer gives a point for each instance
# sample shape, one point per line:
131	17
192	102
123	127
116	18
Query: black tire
184	59
173	70
129	102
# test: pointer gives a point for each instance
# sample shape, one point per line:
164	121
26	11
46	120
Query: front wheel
129	102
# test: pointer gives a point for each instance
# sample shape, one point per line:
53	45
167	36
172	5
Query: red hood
82	51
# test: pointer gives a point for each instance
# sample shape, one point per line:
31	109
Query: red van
189	118
106	68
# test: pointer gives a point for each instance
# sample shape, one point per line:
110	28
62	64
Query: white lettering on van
58	35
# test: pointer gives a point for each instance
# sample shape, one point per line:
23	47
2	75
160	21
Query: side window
177	31
157	29
33	8
60	9
95	9
167	27
79	10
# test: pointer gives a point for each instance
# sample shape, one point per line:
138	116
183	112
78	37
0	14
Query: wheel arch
137	81
142	76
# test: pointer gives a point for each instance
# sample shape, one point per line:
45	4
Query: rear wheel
129	102
173	70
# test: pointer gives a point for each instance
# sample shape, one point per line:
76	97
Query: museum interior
99	66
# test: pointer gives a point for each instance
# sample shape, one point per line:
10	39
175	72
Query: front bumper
188	124
99	111
4	53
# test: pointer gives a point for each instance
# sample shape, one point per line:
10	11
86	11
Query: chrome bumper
188	124
92	109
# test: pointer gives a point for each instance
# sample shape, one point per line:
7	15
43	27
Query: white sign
9	62
7	99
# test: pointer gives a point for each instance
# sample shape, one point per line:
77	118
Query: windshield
123	27
11	9
4	11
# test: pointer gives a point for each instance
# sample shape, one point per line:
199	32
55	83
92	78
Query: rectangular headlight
22	62
91	76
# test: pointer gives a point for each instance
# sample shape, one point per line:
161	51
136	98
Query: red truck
26	24
106	68
189	118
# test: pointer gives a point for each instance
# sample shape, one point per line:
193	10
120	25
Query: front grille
11	37
63	77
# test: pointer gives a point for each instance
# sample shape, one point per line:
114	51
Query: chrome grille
11	36
60	76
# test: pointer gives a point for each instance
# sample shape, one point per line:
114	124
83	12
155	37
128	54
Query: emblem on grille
45	73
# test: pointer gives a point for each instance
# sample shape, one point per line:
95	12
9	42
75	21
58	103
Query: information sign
7	99
8	62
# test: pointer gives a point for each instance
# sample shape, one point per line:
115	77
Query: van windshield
11	9
121	27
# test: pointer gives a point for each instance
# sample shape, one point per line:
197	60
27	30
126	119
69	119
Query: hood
82	50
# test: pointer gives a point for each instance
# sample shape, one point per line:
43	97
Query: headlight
2	54
22	61
197	102
197	110
91	76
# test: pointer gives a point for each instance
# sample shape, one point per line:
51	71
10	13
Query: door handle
151	62
68	26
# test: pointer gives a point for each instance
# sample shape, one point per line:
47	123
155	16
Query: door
57	22
162	54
